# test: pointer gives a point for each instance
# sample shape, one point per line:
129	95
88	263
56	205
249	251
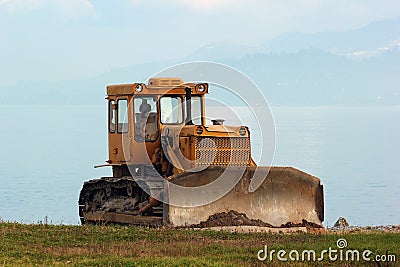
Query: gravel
366	229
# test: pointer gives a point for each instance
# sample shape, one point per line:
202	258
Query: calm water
48	152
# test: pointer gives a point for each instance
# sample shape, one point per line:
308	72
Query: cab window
112	114
196	110
123	116
146	119
171	110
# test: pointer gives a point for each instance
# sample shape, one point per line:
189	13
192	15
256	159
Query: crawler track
110	195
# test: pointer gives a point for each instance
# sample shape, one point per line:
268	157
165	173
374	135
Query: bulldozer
169	167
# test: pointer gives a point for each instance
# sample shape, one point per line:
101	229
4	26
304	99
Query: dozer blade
287	196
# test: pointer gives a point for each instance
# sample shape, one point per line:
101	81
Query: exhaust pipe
188	106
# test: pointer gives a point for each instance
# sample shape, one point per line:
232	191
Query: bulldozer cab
141	115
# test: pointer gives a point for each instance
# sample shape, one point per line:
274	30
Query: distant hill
315	77
359	67
382	34
376	36
223	50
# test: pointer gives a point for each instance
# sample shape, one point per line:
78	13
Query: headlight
201	88
242	131
139	88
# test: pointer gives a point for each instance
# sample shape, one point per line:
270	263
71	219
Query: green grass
44	245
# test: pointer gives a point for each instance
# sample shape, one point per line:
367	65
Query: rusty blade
287	195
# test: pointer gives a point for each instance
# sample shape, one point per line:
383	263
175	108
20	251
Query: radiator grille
222	151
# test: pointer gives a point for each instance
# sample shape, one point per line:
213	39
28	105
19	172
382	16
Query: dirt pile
304	223
234	218
231	218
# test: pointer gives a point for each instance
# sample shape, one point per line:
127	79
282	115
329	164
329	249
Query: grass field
44	245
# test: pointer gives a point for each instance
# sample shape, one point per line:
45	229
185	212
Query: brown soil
231	218
234	218
304	223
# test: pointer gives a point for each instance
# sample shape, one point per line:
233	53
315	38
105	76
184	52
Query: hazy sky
73	39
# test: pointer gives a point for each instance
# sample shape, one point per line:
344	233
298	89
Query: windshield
171	110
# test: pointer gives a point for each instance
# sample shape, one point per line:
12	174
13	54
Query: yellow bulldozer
171	168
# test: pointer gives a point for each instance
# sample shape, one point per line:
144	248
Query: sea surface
47	152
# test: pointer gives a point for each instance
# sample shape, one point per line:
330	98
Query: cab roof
157	86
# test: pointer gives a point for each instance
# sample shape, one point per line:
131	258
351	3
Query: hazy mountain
302	70
315	77
373	36
223	50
